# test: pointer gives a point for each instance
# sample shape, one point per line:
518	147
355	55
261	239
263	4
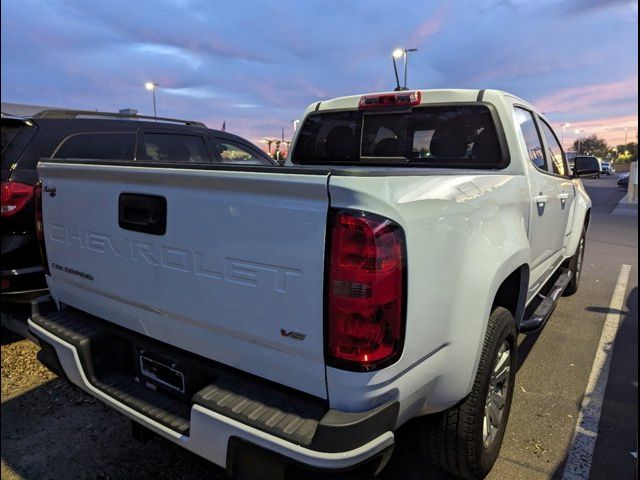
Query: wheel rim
497	394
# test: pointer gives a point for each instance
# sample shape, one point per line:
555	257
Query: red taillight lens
14	197
366	290
399	99
37	194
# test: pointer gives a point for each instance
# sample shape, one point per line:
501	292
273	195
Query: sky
256	65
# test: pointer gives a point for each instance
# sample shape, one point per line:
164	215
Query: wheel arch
512	293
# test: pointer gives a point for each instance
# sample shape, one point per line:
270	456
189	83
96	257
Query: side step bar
545	305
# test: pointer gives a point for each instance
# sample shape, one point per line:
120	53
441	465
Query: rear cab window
454	135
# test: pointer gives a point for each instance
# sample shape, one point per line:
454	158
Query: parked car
607	168
589	159
107	136
280	321
623	179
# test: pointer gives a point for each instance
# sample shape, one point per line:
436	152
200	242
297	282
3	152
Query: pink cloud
586	98
611	129
429	27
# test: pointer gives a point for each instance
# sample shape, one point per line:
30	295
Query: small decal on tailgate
290	334
72	271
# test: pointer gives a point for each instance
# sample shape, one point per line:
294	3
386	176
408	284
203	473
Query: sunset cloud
258	64
589	97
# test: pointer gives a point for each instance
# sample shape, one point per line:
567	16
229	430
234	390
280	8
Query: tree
591	145
626	153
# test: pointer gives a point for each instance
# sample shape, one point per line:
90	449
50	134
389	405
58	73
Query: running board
546	304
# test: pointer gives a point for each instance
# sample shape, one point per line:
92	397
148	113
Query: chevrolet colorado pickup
283	322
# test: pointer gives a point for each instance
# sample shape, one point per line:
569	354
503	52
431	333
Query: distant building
24	110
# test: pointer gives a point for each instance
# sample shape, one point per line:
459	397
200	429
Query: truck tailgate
236	274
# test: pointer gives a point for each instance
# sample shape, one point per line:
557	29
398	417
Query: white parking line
586	432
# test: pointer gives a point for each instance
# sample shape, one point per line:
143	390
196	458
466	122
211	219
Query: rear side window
98	146
172	148
437	136
533	143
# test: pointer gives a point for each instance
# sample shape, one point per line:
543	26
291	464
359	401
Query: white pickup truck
285	321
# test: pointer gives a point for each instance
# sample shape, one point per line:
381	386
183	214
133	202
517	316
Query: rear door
543	220
226	264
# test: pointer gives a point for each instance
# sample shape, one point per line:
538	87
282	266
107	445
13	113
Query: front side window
172	148
232	153
533	143
432	136
98	146
555	150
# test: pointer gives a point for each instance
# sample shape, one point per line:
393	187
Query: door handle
142	213
563	196
541	199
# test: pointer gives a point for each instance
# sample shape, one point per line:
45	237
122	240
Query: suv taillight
14	197
37	194
365	292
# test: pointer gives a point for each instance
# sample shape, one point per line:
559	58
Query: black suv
98	135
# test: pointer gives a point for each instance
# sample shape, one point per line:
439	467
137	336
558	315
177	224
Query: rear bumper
342	441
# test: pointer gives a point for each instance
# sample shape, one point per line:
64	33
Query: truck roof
427	96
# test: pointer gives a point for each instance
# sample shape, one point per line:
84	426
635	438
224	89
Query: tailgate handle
142	212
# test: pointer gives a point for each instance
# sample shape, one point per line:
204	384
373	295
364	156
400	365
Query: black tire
454	440
575	266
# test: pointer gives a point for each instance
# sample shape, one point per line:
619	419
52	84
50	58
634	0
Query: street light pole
625	137
406	52
397	53
152	86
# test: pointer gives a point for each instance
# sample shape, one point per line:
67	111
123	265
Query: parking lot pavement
44	420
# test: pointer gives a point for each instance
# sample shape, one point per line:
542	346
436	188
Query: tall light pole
406	52
397	53
152	86
564	126
625	137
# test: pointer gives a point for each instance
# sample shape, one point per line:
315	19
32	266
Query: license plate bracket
161	371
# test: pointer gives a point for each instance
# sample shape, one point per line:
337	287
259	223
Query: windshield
437	136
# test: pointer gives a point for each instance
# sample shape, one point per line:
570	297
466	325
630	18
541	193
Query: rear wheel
575	266
465	440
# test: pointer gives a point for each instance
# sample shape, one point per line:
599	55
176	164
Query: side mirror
586	167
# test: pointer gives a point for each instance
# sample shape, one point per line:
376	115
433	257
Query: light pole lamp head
150	85
397	53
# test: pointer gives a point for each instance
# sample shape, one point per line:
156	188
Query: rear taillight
365	291
37	194
14	197
398	99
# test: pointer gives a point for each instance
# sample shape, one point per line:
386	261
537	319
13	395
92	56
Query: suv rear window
98	146
432	136
8	132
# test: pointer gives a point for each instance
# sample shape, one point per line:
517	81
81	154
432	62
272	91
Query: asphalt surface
45	422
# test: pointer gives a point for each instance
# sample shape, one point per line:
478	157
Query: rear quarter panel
466	232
